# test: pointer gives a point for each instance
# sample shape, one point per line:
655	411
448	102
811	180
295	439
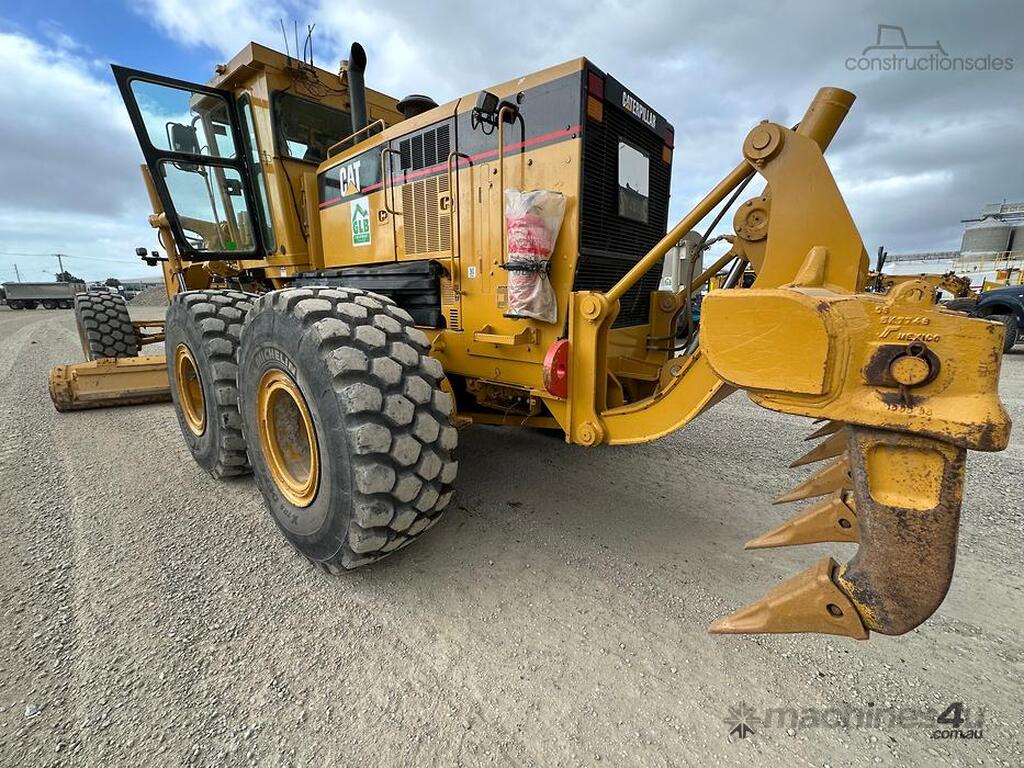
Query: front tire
202	336
104	326
347	424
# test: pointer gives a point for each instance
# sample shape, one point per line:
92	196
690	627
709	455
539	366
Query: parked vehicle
45	295
1003	304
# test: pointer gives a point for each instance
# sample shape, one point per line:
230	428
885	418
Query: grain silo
988	236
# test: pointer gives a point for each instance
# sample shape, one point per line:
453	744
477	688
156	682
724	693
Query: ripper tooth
834	477
832	519
828	428
808	602
833	446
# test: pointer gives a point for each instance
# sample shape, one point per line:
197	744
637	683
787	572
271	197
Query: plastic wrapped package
532	222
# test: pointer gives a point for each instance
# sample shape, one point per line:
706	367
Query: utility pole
17	274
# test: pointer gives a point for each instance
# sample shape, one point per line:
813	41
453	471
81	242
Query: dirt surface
152	615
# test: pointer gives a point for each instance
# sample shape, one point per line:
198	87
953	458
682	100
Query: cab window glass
210	206
259	181
181	120
305	129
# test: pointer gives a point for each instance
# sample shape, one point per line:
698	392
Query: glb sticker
360	209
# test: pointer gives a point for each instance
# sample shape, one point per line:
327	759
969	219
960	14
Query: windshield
305	129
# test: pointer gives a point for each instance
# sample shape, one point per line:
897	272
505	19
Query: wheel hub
190	390
287	438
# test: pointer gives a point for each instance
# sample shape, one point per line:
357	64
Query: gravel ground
153	296
152	615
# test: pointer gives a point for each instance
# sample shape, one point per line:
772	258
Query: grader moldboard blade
114	374
110	382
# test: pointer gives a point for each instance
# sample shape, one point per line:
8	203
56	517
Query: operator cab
232	161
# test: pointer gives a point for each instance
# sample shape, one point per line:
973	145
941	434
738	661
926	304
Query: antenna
284	34
308	44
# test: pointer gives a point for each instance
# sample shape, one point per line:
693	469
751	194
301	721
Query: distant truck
47	295
1003	304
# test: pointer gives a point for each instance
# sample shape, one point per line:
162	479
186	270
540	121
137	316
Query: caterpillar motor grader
346	275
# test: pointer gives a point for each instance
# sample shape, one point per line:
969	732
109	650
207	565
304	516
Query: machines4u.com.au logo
954	721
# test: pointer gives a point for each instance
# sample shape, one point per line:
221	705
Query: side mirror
184	139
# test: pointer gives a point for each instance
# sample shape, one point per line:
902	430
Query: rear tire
104	326
1012	329
375	468
202	335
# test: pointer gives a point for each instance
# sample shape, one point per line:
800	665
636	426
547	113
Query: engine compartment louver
427	225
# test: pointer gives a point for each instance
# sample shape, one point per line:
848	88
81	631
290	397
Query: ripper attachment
907	387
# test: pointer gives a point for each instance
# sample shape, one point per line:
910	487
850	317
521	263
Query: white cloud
223	25
714	74
69	164
918	153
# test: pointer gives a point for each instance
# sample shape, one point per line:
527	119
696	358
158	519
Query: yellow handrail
501	173
384	167
453	195
365	129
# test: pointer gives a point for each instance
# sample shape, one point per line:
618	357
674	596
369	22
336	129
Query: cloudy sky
919	152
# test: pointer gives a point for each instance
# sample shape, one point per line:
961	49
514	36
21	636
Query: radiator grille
611	244
602	230
427	227
599	273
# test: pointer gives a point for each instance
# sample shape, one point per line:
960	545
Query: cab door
191	140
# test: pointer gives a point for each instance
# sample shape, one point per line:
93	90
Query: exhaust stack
357	87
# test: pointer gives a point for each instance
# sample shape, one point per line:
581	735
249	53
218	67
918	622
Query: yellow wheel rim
287	438
190	390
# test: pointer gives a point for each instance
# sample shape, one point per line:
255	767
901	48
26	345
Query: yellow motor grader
353	278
